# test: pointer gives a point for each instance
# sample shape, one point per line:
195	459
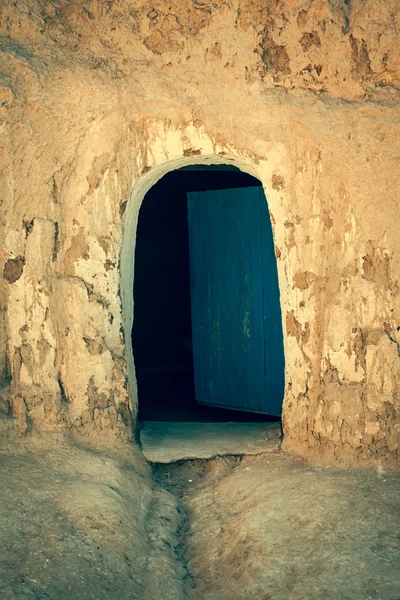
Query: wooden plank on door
236	317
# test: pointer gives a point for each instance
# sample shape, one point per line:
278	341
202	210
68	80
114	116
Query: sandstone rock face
100	98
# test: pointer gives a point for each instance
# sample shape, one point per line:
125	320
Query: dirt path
76	522
275	528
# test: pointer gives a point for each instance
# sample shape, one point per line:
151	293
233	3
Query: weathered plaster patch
13	269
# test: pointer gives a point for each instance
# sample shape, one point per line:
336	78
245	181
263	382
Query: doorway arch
140	190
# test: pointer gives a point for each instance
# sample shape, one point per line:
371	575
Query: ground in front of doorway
78	522
272	527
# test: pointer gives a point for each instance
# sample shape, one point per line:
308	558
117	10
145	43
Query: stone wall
98	99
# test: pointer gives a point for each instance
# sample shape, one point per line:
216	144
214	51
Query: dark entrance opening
162	337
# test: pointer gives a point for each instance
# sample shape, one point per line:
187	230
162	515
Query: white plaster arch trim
171	150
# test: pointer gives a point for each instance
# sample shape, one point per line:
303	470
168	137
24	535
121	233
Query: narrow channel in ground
182	480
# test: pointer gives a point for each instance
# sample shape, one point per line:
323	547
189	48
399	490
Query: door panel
236	317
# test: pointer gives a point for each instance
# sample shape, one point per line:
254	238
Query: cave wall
98	99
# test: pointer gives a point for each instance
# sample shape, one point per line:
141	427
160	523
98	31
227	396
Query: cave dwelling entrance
207	334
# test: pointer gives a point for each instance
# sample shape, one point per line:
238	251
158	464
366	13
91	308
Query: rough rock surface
99	98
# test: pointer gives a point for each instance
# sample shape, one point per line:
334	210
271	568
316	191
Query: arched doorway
190	226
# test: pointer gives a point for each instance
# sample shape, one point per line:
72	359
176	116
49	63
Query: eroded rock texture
99	95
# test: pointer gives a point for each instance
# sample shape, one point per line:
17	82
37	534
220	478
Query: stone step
166	442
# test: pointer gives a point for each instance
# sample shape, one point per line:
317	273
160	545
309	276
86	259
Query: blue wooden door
236	317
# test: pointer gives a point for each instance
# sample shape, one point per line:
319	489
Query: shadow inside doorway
161	334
